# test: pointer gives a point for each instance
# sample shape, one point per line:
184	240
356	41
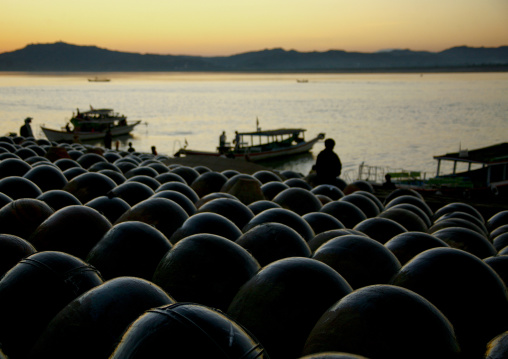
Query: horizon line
250	51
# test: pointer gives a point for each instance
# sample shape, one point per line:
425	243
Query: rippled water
388	120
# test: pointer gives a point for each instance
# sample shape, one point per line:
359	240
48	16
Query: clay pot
111	156
179	187
19	187
420	203
384	321
497	348
210	197
324	237
48	280
189	174
147	180
232	209
283	301
205	268
333	355
360	260
465	216
272	241
12	250
47	177
89	185
96	167
497	220
259	206
500	265
13	167
284	216
25	153
459	207
328	190
416	210
179	198
407	245
58	199
4	199
206	222
73	230
407	219
456	222
125	166
500	242
358	186
117	177
298	183
402	192
208	182
244	187
159	167
271	189
164	214
187	330
88	159
141	171
21	217
129	249
169	177
467	240
347	213
380	229
265	176
111	208
66	163
72	172
298	200
465	289
230	173
364	203
131	192
91	325
322	222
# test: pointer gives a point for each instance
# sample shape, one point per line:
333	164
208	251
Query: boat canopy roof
98	111
277	132
488	155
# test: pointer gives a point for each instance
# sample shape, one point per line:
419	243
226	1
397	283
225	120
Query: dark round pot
89	185
187	330
298	200
232	209
207	222
21	217
281	304
205	268
380	229
384	321
58	199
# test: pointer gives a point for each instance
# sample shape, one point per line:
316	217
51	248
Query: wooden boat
261	145
91	125
99	79
486	173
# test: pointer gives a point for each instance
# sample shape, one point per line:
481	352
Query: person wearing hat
26	129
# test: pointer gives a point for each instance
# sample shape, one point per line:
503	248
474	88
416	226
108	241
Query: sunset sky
226	27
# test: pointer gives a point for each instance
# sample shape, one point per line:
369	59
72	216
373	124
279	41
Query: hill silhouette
65	57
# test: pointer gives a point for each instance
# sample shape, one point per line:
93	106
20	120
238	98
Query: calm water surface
387	120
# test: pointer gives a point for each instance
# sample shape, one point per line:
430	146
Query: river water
396	121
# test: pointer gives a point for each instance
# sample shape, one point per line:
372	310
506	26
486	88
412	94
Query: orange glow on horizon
226	27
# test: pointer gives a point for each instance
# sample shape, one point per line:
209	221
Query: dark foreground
106	254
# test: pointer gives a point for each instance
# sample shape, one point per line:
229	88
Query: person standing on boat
237	141
107	139
26	129
328	166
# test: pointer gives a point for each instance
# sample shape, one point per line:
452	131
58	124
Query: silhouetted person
328	166
154	151
222	139
26	129
130	149
388	182
107	139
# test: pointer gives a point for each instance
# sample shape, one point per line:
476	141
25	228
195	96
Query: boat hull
64	136
250	154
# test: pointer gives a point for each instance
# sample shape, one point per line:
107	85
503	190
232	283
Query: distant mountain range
63	57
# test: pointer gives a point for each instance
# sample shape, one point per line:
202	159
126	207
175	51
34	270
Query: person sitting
388	182
130	149
26	129
328	166
154	151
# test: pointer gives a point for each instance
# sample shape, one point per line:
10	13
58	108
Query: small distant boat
91	125
261	145
99	79
302	80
